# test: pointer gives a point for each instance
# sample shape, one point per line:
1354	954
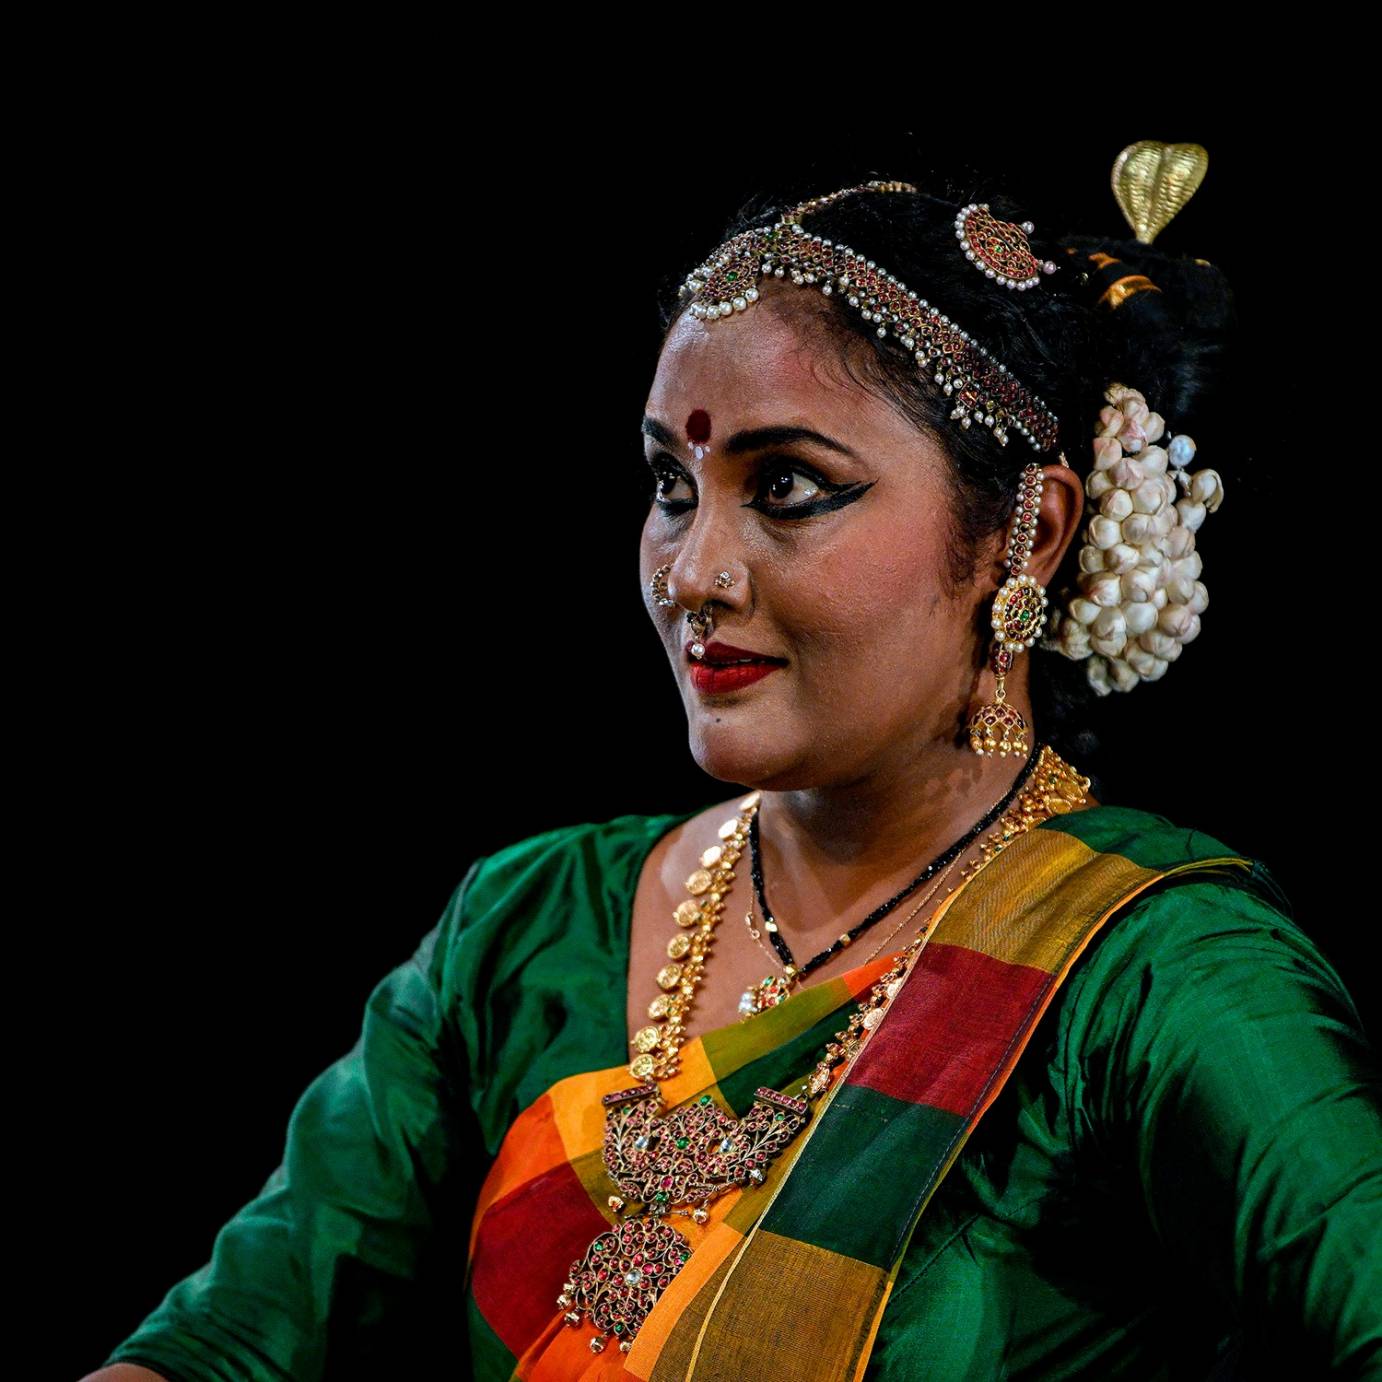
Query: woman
961	1073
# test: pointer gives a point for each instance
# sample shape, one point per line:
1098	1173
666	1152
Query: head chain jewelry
984	390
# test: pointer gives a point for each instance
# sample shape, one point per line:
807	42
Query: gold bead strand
697	917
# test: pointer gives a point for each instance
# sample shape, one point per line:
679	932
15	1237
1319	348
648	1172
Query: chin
730	751
742	754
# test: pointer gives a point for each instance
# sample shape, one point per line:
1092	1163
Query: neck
831	854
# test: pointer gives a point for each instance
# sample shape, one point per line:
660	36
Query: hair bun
1168	321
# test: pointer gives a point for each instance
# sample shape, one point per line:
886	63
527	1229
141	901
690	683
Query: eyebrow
754	439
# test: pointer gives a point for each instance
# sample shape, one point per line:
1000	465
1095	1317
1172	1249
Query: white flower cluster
1140	598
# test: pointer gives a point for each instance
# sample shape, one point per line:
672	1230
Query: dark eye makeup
667	472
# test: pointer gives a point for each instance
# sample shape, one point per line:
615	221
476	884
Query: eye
667	478
778	481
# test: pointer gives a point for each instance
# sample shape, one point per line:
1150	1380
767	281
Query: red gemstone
698	425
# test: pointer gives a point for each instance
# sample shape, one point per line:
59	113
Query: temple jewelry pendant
692	1155
766	993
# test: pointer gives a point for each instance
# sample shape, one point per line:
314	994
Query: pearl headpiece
983	389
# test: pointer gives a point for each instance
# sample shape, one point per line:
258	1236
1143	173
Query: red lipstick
727	668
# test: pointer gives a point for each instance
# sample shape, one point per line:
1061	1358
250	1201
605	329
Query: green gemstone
598	1247
704	1099
618	1327
661	1195
681	1142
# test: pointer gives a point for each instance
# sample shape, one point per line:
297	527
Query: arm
329	1261
1227	1072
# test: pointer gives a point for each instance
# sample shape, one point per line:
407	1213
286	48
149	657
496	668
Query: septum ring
701	620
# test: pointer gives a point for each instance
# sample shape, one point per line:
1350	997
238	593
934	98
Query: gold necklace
697	1151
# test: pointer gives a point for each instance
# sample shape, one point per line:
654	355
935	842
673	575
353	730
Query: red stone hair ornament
999	248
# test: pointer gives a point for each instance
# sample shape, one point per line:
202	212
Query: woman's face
836	542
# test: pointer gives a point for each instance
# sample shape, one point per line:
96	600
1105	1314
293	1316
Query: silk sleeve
340	1264
1220	1067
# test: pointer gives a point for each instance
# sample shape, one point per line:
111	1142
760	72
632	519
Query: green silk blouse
1182	1178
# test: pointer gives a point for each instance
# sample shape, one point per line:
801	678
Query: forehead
744	361
766	367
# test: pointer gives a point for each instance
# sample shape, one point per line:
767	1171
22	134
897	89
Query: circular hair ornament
999	248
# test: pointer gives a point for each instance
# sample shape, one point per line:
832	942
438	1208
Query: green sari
1185	1161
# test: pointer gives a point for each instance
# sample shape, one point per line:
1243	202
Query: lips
726	668
719	654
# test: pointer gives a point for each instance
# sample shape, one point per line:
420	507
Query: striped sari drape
791	1278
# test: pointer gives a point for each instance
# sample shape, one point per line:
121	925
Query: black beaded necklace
779	943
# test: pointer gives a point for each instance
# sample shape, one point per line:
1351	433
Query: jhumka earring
1019	612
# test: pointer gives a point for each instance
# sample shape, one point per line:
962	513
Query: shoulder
1176	891
604	854
1147	838
1192	950
1188	888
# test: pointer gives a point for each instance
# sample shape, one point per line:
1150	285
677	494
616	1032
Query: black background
347	593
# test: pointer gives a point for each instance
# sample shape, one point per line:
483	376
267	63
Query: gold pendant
766	993
692	1155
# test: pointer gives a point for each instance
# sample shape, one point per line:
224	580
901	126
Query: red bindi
698	426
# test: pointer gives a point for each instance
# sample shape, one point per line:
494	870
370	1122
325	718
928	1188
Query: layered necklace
771	991
672	1164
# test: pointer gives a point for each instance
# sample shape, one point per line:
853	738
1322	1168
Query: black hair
1057	338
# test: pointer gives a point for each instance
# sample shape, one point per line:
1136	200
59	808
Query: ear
1058	520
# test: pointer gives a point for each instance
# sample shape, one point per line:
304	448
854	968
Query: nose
707	569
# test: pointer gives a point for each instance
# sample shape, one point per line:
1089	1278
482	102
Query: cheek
875	596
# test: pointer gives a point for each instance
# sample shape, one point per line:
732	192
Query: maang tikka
1019	613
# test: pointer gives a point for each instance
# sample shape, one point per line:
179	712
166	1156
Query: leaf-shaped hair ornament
1152	181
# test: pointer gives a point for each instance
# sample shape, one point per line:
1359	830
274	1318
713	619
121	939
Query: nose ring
658	585
702	620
